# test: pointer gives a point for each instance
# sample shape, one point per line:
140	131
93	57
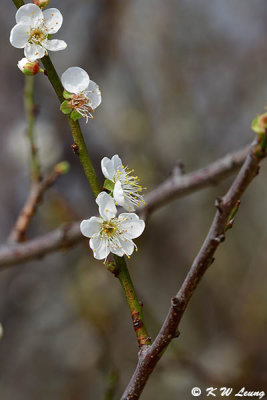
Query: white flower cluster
108	233
32	33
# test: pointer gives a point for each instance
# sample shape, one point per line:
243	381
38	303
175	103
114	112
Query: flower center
37	36
82	104
109	228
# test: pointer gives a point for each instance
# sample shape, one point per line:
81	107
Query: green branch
134	305
81	151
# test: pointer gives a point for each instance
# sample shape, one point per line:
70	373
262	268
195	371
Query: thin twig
215	172
179	185
112	385
56	240
30	111
37	191
149	357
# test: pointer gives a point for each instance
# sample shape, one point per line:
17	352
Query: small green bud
259	124
62	168
75	115
67	95
109	185
41	3
65	107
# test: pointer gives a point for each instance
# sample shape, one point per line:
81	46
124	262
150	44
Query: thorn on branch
45	72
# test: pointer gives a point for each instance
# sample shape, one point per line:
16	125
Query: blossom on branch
41	3
126	189
111	234
82	95
33	29
29	67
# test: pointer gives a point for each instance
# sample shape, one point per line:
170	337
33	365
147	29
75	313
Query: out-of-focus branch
37	191
184	185
226	207
30	111
179	185
58	239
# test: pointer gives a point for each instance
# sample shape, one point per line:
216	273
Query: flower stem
81	151
30	116
18	3
134	305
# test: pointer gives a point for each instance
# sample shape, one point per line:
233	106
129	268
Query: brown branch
37	191
59	239
175	187
149	356
179	185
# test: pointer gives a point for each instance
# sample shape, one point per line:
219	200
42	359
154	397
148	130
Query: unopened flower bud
41	3
62	168
29	67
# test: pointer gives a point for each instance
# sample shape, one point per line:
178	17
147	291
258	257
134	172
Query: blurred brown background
181	80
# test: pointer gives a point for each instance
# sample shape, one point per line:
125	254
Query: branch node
112	267
179	169
75	148
219	238
177	334
218	203
177	303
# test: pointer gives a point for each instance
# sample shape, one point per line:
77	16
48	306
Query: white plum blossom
85	95
32	31
111	234
127	190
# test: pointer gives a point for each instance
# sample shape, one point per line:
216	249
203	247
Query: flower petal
99	247
75	80
121	199
29	14
118	251
108	168
91	226
53	20
118	193
55	45
34	51
132	225
19	35
127	246
94	94
107	208
117	162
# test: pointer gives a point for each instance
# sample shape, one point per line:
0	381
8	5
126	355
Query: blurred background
181	80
